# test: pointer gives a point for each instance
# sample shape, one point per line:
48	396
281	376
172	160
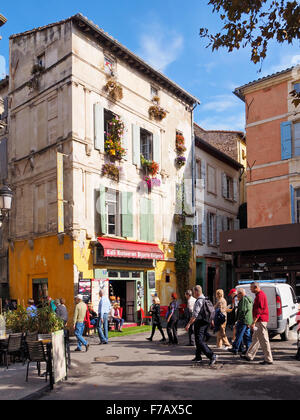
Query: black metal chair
28	337
13	348
37	354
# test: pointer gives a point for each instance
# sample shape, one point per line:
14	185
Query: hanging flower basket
114	89
180	161
180	144
151	182
112	171
157	112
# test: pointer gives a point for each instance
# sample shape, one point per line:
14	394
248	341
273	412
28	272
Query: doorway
39	291
125	290
211	275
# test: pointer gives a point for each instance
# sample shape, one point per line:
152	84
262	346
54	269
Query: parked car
283	305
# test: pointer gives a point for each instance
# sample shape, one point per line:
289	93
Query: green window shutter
156	149
144	222
150	221
136	146
99	127
127	214
103	216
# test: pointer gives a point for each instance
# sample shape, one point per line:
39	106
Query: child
298	331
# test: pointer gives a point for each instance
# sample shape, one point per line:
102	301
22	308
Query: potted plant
111	170
149	166
114	89
180	161
180	149
157	112
113	143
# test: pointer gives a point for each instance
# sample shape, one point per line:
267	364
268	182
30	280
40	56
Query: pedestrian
244	320
200	327
222	340
259	327
103	313
156	320
61	310
92	314
31	309
232	312
172	320
298	335
190	308
78	321
51	303
116	316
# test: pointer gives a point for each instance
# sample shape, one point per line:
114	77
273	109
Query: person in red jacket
259	327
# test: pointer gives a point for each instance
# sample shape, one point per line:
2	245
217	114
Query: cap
231	292
79	297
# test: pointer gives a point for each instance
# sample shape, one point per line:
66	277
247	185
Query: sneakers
77	349
213	360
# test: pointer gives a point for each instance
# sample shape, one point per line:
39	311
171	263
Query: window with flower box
146	144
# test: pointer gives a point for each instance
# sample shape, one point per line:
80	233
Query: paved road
131	368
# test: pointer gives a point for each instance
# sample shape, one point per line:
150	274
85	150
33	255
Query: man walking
200	328
79	315
190	308
103	312
244	320
259	327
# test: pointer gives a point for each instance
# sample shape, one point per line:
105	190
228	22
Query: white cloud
2	67
159	46
285	62
220	103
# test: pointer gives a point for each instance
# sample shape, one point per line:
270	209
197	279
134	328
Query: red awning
118	248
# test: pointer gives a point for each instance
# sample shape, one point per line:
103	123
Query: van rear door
270	291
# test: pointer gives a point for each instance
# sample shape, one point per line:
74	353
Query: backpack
207	311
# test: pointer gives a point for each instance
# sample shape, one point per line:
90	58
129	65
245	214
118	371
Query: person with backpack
244	320
221	307
202	316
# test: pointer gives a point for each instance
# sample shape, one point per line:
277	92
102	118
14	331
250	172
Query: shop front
126	270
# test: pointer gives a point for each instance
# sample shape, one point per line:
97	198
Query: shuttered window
297	139
146	220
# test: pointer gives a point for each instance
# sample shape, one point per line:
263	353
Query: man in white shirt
190	308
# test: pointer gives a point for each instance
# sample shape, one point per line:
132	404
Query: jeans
243	337
119	322
172	330
158	325
201	347
79	328
103	334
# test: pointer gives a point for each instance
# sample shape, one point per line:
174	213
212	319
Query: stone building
217	205
82	219
270	247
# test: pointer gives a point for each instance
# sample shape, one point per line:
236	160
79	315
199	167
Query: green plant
183	253
149	166
114	89
112	145
111	170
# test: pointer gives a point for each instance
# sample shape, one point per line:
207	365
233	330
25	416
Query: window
40	61
109	66
211	180
211	228
227	187
297	87
146	144
108	116
297	204
229	223
297	139
154	92
112	207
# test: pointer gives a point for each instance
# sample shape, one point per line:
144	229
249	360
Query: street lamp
6	196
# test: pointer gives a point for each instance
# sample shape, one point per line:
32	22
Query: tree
255	23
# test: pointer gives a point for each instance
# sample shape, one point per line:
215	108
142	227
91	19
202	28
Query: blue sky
166	35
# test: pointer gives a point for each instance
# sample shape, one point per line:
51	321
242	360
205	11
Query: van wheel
286	334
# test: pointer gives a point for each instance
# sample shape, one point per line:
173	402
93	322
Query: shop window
113	274
146	144
136	275
124	274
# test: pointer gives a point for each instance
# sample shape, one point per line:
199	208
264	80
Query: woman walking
221	334
156	321
173	316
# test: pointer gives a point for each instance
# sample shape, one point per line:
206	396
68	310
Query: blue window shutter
136	145
99	127
293	204
286	140
127	214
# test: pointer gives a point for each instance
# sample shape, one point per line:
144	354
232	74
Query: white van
283	306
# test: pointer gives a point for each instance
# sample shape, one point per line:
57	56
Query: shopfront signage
133	254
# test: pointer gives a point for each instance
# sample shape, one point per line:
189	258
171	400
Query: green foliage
45	321
183	253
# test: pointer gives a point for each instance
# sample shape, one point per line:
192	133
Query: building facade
92	162
217	205
270	247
